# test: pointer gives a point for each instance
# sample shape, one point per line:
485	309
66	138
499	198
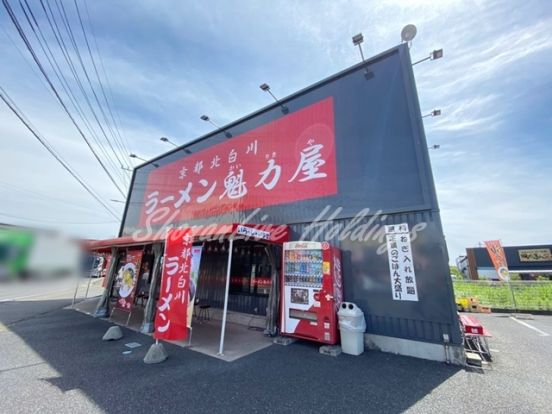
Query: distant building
528	261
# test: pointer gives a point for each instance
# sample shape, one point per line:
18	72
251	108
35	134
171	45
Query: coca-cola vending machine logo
338	284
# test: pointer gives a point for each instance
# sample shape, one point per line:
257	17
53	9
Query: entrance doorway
250	277
253	274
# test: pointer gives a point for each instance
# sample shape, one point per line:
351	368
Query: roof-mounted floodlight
265	88
357	41
168	141
436	54
207	119
435	112
142	159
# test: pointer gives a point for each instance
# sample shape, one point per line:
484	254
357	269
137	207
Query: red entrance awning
268	233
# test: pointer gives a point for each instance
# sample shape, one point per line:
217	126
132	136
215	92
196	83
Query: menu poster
128	277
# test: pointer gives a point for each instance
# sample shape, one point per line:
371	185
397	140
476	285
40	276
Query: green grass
528	295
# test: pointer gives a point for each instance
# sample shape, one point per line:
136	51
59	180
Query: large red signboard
290	159
172	307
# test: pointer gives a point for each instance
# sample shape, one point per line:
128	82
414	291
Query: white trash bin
352	326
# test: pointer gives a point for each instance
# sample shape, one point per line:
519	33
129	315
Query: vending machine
311	291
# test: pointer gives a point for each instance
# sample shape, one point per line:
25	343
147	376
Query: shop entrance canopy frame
261	233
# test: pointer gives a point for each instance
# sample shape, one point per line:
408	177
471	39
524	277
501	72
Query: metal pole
228	269
361	54
88	286
76	290
78	284
421	60
512	293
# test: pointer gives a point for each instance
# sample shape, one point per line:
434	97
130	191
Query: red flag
172	307
498	257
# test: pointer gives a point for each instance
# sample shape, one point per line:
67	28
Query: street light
436	54
435	147
207	119
165	139
435	112
142	159
265	88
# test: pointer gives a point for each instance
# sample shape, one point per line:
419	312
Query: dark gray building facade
353	159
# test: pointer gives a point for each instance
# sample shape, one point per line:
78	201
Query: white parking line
541	333
34	296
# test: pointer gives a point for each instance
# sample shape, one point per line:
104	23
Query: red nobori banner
127	278
172	307
498	257
290	159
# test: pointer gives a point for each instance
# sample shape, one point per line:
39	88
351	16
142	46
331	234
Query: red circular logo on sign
325	245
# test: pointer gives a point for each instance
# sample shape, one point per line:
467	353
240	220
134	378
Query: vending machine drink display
311	291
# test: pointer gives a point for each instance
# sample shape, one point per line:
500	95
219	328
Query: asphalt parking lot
55	361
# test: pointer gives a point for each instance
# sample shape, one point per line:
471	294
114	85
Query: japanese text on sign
172	307
290	159
401	265
251	232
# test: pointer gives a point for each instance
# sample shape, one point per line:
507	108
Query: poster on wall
194	276
496	253
172	306
401	265
128	277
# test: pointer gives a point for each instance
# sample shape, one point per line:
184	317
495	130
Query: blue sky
169	62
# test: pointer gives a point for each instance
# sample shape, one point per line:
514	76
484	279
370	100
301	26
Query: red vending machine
311	291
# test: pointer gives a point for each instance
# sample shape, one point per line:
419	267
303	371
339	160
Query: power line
117	118
61	78
60	100
50	57
55	220
115	163
120	139
46	197
64	19
63	47
11	105
25	58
